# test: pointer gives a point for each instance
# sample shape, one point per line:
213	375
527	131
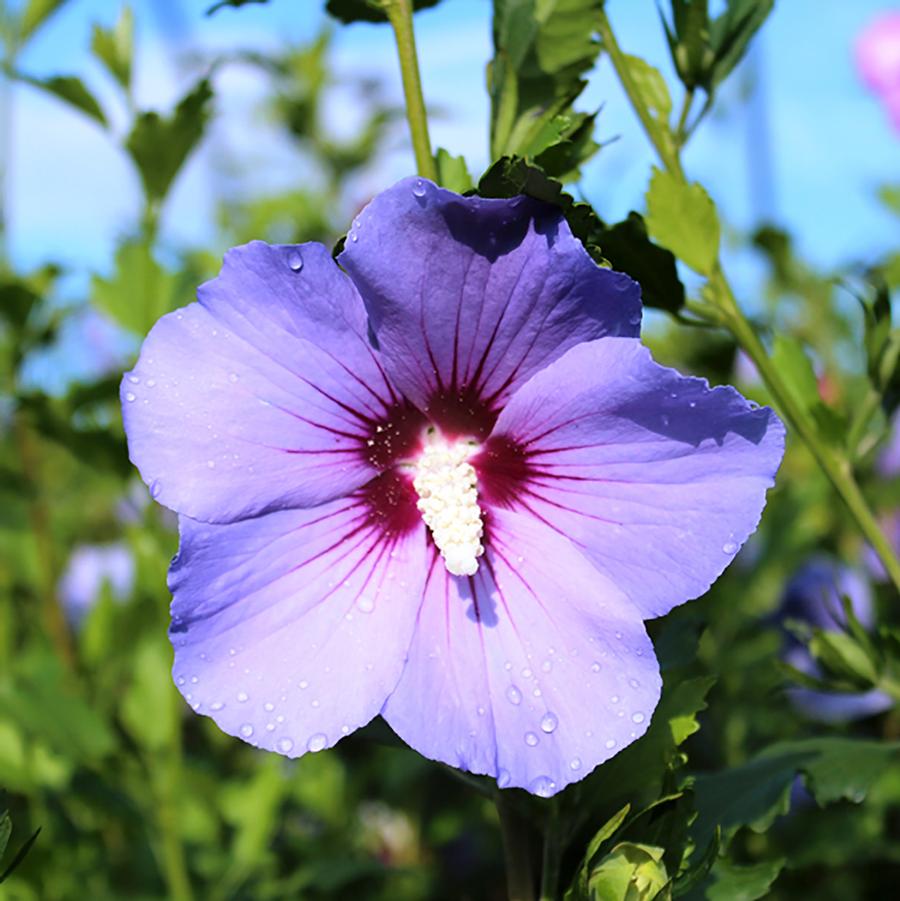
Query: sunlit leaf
731	882
453	172
35	14
151	705
114	46
682	218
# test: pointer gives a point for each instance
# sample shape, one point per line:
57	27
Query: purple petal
533	671
263	395
657	477
291	629
468	297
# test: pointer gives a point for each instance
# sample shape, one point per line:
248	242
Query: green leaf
348	11
233	3
542	49
70	90
5	831
151	706
731	33
731	882
16	301
682	218
140	290
652	88
689	41
630	872
36	12
755	793
453	172
842	656
114	46
629	249
20	855
160	145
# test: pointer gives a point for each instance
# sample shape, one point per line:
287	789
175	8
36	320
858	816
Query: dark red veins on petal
390	501
504	471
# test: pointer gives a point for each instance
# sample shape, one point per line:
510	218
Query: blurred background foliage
748	783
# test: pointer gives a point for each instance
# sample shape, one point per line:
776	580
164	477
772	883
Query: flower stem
552	853
516	856
833	462
400	15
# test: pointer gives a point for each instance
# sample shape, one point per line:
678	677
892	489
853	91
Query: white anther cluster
448	501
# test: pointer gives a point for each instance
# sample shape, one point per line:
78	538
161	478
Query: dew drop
134	379
285	745
634	683
729	548
268	706
419	188
155	489
614	699
513	695
595	667
233	377
216	706
546	666
151	383
180	680
637	717
270	727
316	742
211	464
246	730
610	742
354	237
503	778
481	711
303	683
549	722
365	604
130	397
543	787
575	763
531	739
295	261
243	697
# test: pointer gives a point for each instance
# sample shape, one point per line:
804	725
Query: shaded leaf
5	831
151	706
159	145
348	11
20	855
683	218
732	31
730	882
70	90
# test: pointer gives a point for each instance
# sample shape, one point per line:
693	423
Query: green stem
6	131
165	774
516	854
835	466
552	853
400	15
681	128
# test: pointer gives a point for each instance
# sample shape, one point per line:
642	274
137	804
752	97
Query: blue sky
71	194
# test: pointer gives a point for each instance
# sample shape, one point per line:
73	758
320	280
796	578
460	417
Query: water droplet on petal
246	730
546	666
130	397
610	742
637	717
634	683
134	379
268	706
295	261
543	787
216	706
303	684
575	763
531	739
729	547
354	237
285	745
549	722
614	699
243	697
316	742
233	377
155	489
513	695
365	604
503	778
419	188
595	667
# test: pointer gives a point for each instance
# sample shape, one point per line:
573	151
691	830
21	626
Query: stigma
447	486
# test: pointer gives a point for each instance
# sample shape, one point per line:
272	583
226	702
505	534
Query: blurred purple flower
813	596
445	484
878	61
90	568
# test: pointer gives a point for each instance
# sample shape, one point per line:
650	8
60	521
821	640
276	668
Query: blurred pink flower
878	61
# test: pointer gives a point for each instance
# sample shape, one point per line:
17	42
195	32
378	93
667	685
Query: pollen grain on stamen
446	484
